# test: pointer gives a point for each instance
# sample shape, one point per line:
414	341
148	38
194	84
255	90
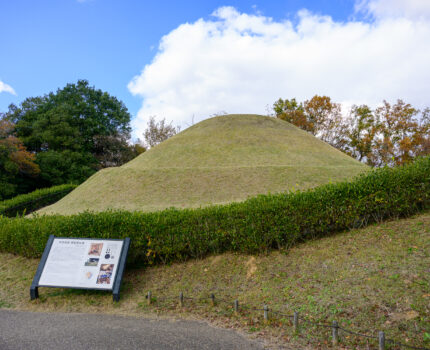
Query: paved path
28	330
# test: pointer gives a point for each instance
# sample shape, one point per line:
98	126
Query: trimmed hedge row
27	203
259	224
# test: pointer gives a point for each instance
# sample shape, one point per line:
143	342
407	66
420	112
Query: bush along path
27	203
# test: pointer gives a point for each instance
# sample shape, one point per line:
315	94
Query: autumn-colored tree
319	116
400	134
15	161
293	112
389	135
327	120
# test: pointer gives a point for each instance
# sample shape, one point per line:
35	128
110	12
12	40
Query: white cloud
240	63
414	9
6	88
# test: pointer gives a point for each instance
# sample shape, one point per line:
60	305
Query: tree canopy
157	132
73	132
16	162
391	134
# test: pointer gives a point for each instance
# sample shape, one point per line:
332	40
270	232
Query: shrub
27	203
256	225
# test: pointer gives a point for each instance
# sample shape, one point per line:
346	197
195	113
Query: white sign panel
81	263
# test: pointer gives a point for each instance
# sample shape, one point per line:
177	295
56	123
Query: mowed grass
151	190
220	160
368	280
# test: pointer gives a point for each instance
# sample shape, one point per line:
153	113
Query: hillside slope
219	160
369	280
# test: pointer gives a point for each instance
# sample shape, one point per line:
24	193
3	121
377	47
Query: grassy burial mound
219	160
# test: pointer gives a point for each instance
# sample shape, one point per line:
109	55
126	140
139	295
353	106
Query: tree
326	118
111	151
362	134
400	134
319	116
389	135
157	132
294	113
16	162
423	139
73	132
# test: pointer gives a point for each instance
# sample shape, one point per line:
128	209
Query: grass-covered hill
220	160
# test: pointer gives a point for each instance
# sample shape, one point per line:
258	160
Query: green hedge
27	203
256	225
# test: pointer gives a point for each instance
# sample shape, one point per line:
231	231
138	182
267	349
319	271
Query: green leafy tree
362	135
423	139
73	132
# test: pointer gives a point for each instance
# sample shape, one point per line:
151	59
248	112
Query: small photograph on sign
105	274
92	262
95	249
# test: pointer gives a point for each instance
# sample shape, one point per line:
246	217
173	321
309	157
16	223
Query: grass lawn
368	280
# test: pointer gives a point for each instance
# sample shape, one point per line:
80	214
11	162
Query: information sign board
82	263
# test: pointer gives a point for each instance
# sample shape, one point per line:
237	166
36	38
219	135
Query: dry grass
220	160
150	190
369	279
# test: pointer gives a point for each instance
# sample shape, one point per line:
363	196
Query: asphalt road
28	330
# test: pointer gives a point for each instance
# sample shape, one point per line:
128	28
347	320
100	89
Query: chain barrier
317	324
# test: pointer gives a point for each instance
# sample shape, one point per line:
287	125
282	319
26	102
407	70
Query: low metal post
149	297
381	341
181	299
296	322
335	333
236	306
266	313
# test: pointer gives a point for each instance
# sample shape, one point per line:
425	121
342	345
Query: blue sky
47	44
